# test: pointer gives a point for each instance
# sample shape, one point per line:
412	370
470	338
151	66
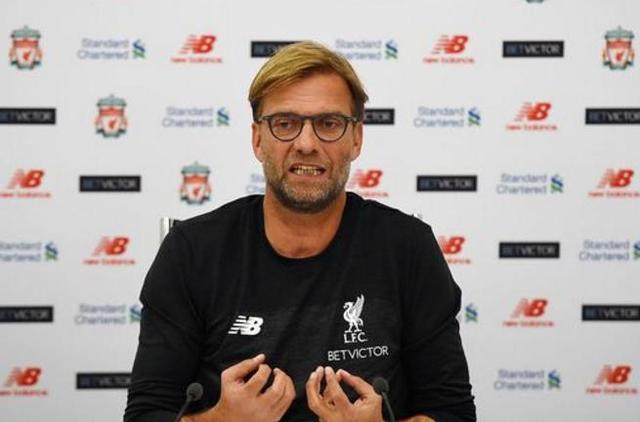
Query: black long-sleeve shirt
378	301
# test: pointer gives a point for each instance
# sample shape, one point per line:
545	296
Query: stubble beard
309	200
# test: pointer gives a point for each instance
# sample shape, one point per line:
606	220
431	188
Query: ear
256	141
357	141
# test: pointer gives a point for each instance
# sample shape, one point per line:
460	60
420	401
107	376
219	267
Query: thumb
243	368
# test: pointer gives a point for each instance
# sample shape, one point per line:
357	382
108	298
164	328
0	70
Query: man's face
307	174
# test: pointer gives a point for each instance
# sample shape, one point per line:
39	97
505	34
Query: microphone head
380	385
194	391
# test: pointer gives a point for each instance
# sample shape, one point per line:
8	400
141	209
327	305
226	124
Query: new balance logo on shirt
246	326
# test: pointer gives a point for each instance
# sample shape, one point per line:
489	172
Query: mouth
306	170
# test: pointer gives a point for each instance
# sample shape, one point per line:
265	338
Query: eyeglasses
328	127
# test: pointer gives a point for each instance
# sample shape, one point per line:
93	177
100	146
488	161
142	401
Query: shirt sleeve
435	364
170	338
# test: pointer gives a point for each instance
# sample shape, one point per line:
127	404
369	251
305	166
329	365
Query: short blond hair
297	61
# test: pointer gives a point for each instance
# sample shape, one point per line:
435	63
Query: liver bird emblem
352	313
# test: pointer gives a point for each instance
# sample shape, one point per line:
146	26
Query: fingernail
329	370
313	375
259	358
342	370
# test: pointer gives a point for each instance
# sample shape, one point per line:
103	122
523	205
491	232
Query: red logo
364	182
528	313
614	183
612	380
201	44
23	378
198	49
21	382
26	180
450	44
530	116
109	252
616	179
24	184
448	50
451	248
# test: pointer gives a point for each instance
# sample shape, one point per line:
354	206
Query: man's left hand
333	405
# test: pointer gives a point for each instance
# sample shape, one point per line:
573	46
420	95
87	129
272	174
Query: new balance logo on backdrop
25	183
198	49
448	50
451	248
447	183
267	48
18	314
612	116
533	49
366	182
611	312
23	382
615	183
528	313
532	117
379	116
529	250
27	116
102	380
110	183
614	380
246	326
110	251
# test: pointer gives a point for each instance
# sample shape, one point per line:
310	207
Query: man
286	306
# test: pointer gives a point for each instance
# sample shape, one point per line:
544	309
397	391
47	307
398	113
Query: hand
333	405
242	401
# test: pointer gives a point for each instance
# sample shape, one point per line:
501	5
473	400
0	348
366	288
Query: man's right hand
242	401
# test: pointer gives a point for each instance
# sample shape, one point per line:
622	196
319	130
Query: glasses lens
329	127
285	126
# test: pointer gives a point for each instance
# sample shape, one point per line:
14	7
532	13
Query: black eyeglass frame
304	118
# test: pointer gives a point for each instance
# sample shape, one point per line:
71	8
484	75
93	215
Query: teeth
307	170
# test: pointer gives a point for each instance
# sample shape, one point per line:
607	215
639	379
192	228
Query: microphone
381	386
194	392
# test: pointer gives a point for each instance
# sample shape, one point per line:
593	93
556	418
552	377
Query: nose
307	141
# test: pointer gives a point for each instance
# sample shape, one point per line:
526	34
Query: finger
314	398
333	392
277	389
240	370
259	379
289	393
363	388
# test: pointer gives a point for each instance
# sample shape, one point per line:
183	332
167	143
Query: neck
299	235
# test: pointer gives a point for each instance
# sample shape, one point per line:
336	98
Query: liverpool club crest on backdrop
25	52
618	53
195	187
111	121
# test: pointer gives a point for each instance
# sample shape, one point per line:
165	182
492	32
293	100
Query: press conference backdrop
510	126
